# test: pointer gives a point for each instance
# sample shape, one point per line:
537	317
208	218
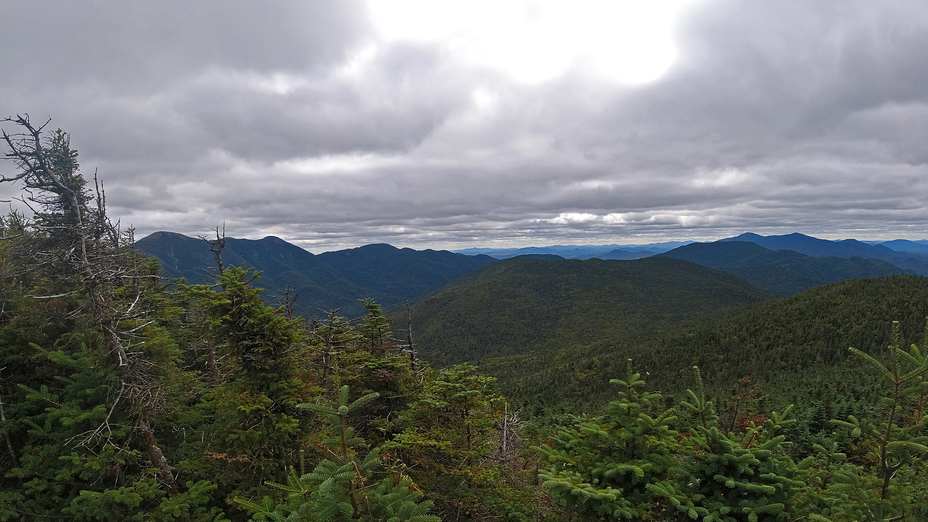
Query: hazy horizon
527	245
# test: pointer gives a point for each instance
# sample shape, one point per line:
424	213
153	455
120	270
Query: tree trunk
158	461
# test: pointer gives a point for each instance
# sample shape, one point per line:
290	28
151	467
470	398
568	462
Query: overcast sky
334	124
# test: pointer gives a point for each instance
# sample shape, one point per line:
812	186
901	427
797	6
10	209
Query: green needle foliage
894	442
87	369
731	476
601	466
246	418
343	487
630	465
451	446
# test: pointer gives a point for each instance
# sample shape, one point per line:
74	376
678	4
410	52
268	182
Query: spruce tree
344	487
82	314
896	442
601	467
726	476
247	425
448	444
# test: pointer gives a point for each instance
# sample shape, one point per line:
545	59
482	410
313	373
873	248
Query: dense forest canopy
126	398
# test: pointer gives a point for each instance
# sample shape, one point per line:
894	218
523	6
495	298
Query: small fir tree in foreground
344	486
896	443
601	466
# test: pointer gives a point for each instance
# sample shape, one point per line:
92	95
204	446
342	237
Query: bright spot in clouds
484	100
336	163
628	42
570	217
720	178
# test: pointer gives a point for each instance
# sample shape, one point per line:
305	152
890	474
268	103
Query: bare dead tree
410	348
217	245
6	436
49	172
80	239
287	302
510	428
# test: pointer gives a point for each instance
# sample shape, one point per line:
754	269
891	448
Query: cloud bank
309	121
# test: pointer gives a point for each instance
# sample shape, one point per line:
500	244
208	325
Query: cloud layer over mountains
303	120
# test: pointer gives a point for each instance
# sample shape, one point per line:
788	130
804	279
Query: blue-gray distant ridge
846	248
780	272
325	282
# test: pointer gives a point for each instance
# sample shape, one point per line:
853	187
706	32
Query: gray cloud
146	46
298	120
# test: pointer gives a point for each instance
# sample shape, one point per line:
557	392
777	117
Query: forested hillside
555	332
792	349
322	283
537	306
124	398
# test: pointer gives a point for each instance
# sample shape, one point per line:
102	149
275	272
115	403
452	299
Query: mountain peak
328	281
747	236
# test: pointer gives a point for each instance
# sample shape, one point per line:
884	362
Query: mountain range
554	330
625	252
904	245
780	272
778	265
886	250
847	248
324	282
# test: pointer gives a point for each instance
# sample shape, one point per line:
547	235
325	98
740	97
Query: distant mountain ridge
801	243
846	248
556	330
335	280
325	282
623	252
780	272
904	245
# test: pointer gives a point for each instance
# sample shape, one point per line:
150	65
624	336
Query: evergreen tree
733	477
340	487
450	445
247	425
366	359
375	328
81	323
895	442
601	467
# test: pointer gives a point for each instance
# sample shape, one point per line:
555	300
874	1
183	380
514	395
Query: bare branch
216	245
55	296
